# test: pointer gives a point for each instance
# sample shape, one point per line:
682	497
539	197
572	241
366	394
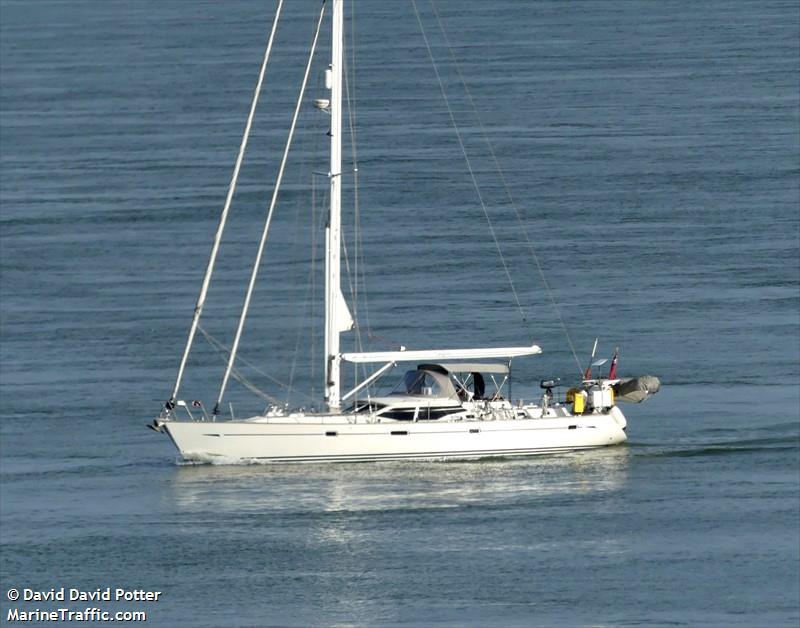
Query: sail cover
636	389
434	355
473	367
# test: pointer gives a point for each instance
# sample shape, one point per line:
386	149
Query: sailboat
449	403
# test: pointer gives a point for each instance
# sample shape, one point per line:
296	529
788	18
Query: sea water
651	151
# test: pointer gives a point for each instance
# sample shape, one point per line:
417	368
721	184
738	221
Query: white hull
349	438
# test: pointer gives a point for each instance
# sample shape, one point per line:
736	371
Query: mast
335	317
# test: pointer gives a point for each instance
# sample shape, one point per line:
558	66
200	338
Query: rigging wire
469	166
358	274
308	295
198	309
224	351
308	302
265	232
510	197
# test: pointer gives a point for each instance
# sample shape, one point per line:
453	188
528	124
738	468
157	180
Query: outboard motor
547	385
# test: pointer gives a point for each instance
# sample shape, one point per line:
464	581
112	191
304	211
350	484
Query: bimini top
468	367
440	354
425	383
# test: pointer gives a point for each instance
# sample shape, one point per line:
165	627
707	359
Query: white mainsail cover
440	354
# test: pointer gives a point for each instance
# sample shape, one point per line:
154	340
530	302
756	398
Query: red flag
612	370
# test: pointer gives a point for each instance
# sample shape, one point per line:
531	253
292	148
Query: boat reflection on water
396	485
381	541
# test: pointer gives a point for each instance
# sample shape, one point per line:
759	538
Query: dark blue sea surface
652	152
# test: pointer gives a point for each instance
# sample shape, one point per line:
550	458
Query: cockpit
433	391
453	381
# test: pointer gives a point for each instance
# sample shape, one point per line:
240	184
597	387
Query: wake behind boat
449	404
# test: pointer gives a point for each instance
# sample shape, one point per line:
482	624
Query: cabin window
365	407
